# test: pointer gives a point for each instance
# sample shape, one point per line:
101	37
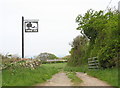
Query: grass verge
74	78
19	76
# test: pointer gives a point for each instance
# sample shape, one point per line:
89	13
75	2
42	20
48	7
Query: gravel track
61	79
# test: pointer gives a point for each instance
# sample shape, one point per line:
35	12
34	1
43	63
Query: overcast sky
57	26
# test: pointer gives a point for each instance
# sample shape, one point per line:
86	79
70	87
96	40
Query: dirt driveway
90	81
61	79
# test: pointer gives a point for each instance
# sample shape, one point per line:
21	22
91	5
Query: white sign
31	25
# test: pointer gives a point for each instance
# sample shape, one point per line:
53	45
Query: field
27	77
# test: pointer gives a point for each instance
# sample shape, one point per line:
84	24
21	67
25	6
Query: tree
66	57
78	50
91	23
45	56
101	28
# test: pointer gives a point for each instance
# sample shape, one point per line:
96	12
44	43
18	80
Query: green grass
74	78
75	69
19	76
58	66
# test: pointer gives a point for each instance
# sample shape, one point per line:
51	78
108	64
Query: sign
28	25
31	25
